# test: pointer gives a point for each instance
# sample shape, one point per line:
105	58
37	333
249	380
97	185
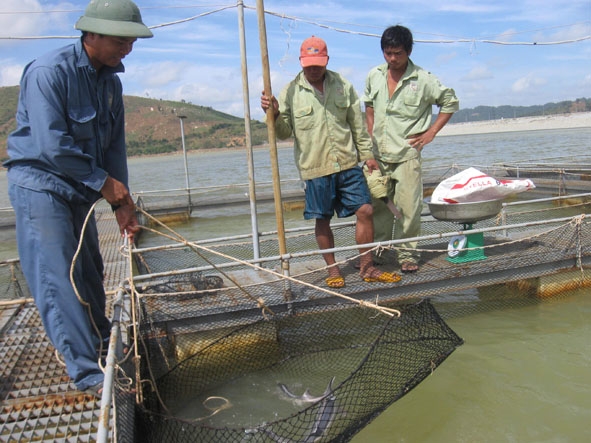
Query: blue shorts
343	192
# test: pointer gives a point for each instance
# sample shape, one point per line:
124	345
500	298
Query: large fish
324	417
306	397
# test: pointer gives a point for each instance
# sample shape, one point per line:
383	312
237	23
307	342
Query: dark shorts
343	192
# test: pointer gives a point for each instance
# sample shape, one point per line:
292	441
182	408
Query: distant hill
8	101
153	125
481	113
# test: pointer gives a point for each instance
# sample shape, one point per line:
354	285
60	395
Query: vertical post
107	396
187	187
247	138
271	128
273	143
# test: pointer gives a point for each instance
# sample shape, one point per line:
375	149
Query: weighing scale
460	247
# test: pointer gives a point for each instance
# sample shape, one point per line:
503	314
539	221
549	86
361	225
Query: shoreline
532	123
535	123
280	144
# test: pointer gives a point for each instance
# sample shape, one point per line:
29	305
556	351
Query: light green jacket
329	137
407	112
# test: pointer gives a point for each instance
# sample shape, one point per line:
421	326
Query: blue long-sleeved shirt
70	126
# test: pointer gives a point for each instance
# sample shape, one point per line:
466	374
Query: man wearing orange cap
322	111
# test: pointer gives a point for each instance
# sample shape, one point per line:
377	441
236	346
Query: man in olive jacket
323	113
399	97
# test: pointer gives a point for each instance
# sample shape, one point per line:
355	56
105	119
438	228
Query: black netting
212	368
124	405
228	386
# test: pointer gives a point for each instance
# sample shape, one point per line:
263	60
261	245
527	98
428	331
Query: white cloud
527	83
156	75
15	23
446	58
478	73
507	35
572	31
469	7
10	74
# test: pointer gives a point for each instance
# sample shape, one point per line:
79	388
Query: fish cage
239	350
227	347
310	374
176	205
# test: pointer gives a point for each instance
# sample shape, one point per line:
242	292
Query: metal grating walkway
37	400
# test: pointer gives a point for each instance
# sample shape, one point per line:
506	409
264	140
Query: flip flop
408	267
335	282
384	277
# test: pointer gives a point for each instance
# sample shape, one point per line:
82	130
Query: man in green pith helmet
67	152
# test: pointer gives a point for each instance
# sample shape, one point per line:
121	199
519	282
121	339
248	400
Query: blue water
522	374
226	167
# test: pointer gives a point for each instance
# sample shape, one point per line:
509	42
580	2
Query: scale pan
465	212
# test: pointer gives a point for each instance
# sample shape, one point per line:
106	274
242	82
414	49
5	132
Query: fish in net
318	373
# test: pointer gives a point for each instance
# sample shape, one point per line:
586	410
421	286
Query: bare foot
409	266
334	271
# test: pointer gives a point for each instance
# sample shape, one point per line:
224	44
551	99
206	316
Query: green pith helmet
118	18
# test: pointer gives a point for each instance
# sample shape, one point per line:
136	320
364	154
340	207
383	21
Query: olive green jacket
330	134
407	112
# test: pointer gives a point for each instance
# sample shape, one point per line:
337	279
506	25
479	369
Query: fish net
311	374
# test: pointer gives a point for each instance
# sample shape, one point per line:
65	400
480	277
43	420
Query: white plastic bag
472	185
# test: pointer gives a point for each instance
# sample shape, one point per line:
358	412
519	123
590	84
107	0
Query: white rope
73	282
283	17
179	238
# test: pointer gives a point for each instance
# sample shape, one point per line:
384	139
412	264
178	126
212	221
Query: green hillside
153	126
8	101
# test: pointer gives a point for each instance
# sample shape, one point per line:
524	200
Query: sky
483	49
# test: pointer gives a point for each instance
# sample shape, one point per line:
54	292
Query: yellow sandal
384	277
335	282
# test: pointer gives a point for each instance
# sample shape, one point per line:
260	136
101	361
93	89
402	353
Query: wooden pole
271	128
273	149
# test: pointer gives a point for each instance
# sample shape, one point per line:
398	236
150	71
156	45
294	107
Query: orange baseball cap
313	52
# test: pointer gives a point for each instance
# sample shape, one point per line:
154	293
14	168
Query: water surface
522	374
